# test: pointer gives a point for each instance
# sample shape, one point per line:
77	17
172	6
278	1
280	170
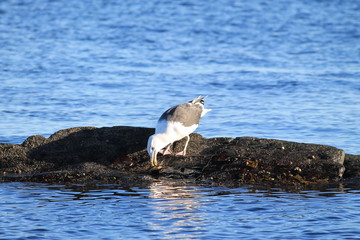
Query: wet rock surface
88	155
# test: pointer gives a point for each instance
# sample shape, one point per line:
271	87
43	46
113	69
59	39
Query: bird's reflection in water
177	210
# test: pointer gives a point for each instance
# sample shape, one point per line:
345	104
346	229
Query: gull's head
155	143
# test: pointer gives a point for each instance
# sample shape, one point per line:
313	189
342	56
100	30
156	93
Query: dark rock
352	166
253	160
118	155
69	148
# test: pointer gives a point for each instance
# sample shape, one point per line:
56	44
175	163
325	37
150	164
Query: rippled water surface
281	69
274	69
166	210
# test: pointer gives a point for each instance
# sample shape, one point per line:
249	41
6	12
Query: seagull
174	124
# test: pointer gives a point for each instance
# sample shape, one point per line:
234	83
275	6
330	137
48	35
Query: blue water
176	211
286	69
273	69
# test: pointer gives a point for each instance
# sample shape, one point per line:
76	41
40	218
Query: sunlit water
274	69
173	211
281	69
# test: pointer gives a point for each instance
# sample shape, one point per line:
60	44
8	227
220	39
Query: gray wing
188	114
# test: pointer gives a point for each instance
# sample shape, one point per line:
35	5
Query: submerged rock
118	154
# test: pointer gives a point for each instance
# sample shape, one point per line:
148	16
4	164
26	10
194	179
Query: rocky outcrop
118	154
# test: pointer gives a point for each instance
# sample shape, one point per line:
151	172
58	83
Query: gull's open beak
153	159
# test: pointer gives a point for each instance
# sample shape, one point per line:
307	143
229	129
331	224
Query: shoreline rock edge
117	155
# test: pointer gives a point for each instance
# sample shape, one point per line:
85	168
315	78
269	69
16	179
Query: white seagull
174	124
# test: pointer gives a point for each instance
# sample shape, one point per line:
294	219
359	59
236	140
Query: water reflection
176	210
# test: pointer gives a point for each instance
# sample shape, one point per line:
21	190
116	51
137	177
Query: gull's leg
183	152
167	150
